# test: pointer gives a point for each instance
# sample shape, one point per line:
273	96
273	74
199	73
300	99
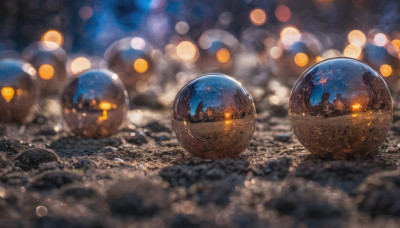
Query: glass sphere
292	56
131	59
18	89
49	61
214	117
340	108
382	61
94	104
217	49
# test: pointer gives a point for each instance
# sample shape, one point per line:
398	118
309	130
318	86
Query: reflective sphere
18	89
340	108
214	117
49	60
130	59
383	62
294	56
94	104
217	49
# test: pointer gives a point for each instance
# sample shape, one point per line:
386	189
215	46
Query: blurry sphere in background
18	89
340	108
294	53
49	61
131	59
181	54
214	117
94	104
217	50
9	54
382	61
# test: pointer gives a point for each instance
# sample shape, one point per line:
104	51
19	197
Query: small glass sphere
49	61
18	89
214	117
131	59
94	104
292	56
382	61
217	50
340	108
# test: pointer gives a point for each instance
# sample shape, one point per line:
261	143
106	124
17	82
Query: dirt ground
141	177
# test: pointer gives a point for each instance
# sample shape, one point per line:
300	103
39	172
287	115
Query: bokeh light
85	12
52	36
380	39
79	65
275	52
357	38
301	59
352	51
386	70
223	55
46	71
182	27
138	43
187	51
282	13
290	35
140	65
258	17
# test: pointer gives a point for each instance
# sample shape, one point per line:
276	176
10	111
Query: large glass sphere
214	117
18	89
49	60
340	108
94	104
131	59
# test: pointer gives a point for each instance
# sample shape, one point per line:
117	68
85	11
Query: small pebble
137	139
108	149
54	179
32	158
283	137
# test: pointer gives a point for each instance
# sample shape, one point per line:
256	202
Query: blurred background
266	44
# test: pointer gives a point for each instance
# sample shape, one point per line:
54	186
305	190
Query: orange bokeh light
46	72
54	37
258	17
140	65
223	55
386	70
301	59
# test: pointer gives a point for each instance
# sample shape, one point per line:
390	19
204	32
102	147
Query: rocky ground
141	177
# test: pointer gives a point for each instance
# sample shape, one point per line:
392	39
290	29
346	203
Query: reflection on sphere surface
94	104
340	108
18	89
214	117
